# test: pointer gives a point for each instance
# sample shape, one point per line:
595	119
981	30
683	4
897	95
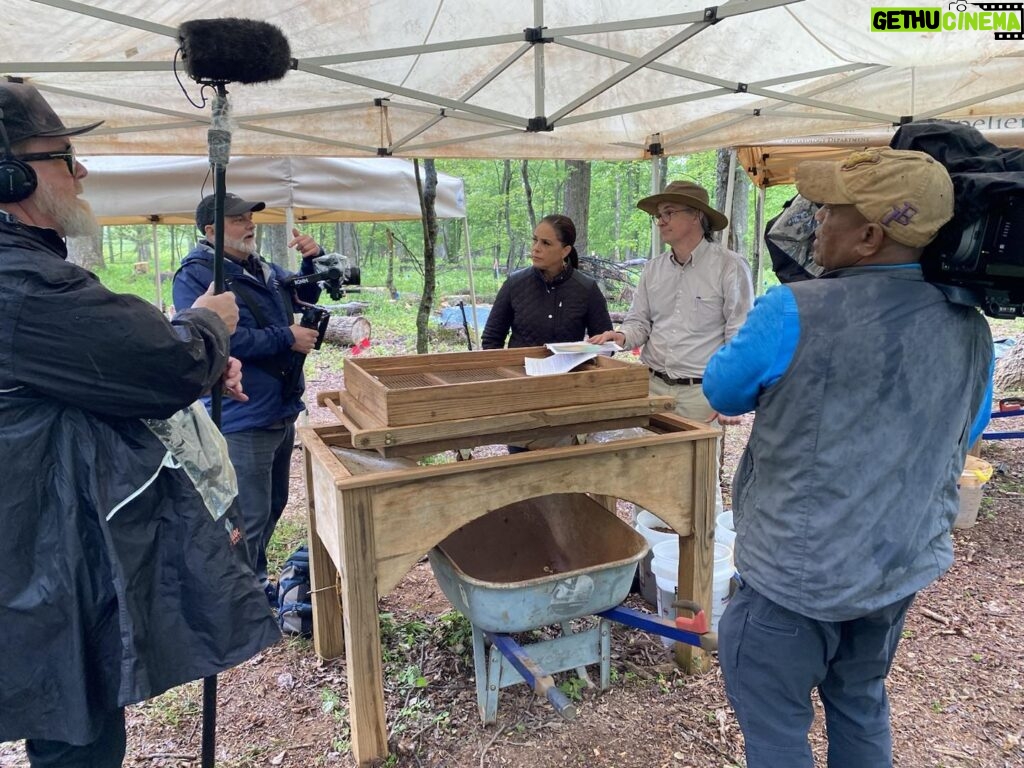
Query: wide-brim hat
233	206
685	193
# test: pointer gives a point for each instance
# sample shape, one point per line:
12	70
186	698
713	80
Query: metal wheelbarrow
537	563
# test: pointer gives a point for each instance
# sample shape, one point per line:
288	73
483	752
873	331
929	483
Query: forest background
504	200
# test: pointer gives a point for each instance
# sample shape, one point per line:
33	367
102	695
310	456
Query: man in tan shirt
690	300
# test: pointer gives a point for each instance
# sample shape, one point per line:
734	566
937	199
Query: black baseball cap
26	114
233	206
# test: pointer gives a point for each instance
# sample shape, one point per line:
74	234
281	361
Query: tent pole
289	223
656	184
759	245
156	266
472	286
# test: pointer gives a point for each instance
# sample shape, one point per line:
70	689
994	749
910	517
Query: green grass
177	706
288	536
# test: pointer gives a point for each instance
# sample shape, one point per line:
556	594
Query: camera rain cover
790	241
195	445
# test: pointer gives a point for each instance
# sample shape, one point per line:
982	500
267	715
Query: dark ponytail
566	232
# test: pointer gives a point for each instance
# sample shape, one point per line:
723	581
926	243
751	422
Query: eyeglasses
67	155
664	216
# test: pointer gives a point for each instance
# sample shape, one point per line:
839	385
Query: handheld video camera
333	273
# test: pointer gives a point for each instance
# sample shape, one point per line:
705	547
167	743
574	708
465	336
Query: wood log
349	308
347	331
1009	373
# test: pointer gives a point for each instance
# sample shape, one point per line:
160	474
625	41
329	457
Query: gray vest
846	494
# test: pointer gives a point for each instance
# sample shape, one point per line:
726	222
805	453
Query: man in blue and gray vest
868	387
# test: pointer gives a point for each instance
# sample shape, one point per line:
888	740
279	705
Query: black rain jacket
97	614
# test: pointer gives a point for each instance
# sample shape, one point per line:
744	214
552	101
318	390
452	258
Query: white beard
72	215
244	246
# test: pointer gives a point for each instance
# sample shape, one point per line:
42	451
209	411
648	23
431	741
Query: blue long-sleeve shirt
762	351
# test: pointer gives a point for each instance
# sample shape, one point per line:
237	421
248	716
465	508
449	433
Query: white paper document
561	363
567	356
577	347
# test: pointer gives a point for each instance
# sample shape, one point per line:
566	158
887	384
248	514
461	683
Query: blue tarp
451	317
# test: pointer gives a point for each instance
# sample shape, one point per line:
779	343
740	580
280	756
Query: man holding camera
869	385
120	577
272	347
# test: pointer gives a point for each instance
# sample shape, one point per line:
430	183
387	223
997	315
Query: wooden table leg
362	628
328	635
697	551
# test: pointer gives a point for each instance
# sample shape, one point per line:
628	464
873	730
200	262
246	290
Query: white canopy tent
521	78
167	188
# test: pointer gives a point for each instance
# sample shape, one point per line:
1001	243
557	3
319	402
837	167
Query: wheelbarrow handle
698	623
532	673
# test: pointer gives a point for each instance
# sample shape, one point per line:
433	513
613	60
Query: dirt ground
957	687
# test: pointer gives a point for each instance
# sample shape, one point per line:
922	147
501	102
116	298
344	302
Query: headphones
18	180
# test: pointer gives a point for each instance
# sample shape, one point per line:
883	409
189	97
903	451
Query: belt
685	382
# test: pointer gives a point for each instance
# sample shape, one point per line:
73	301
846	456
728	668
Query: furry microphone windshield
233	51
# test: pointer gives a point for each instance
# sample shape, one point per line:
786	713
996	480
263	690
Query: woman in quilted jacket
550	301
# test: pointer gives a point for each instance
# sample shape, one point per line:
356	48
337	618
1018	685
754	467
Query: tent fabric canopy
521	78
775	163
166	189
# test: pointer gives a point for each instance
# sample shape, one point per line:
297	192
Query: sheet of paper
561	363
577	347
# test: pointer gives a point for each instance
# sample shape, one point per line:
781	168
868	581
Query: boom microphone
216	52
234	51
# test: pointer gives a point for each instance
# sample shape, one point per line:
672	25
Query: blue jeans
106	751
262	460
772	659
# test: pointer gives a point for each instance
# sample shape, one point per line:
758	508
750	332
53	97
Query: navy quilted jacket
570	308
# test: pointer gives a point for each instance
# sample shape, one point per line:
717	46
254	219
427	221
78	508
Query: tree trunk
528	191
274	245
617	227
577	200
86	252
347	331
512	257
1009	373
741	194
428	195
348	242
389	277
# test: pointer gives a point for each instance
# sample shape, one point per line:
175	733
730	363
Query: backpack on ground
294	605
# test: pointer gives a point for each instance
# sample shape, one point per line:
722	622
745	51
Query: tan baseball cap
908	193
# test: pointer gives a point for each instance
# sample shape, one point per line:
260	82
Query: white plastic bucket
646	525
725	533
665	566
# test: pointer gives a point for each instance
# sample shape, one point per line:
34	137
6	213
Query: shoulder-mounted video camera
984	256
978	256
981	249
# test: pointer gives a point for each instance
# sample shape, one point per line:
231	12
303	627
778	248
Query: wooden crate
426	389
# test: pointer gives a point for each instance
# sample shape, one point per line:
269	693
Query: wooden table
371	521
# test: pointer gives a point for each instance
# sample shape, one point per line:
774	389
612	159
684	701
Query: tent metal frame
766	96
